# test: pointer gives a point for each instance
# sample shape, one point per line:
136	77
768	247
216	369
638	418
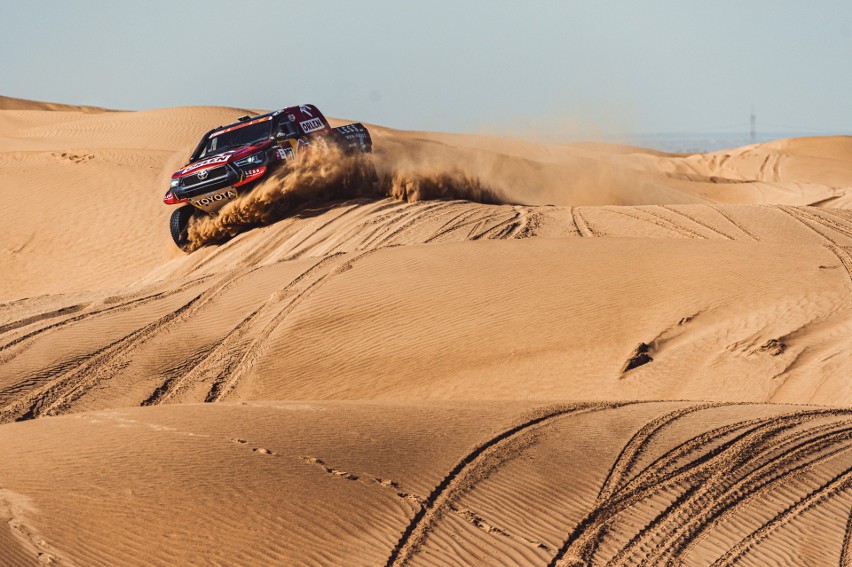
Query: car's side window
287	129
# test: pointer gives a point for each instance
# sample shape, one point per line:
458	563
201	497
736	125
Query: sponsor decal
238	126
286	153
210	199
305	110
349	129
215	159
251	175
312	125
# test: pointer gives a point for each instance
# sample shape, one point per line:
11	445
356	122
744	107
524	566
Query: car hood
218	159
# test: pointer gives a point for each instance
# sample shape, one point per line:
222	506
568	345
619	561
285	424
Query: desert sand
500	352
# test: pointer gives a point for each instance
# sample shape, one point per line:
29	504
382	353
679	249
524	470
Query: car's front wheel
179	224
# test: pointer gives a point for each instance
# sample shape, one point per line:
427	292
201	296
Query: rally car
230	160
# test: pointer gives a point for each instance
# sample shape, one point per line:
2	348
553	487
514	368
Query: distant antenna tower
753	125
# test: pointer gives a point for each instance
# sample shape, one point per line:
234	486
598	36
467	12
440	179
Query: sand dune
10	103
331	304
460	362
430	483
123	160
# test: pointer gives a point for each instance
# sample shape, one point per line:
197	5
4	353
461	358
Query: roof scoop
244	118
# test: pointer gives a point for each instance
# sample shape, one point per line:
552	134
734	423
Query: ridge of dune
123	160
501	352
10	103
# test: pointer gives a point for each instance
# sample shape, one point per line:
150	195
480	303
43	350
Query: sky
558	69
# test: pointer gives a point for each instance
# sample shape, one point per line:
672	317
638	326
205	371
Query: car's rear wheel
179	224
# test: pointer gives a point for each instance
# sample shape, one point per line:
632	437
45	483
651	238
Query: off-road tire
178	225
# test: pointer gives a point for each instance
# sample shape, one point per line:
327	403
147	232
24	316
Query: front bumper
213	179
215	189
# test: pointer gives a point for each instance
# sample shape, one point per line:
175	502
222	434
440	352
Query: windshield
224	140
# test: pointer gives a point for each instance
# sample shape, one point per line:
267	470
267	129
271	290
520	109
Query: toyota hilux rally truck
230	160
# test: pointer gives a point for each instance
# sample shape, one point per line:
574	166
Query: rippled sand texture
584	354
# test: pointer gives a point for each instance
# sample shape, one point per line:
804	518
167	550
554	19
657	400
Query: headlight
174	183
253	158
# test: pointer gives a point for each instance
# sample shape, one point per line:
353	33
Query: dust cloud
327	176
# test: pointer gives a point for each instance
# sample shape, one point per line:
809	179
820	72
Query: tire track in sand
770	169
829	223
792	212
690	463
531	221
224	383
408	220
348	230
731	220
466	221
371	227
804	457
232	356
380	221
260	253
697	221
178	379
122	306
503	229
61	390
675	226
827	490
485	456
52	314
842	215
657	220
583	227
844	257
576	231
583	542
846	547
456	222
677	529
835	247
637	445
71	383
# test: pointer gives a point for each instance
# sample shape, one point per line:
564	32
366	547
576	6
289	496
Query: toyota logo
202	174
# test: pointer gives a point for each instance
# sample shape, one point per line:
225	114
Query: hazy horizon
557	71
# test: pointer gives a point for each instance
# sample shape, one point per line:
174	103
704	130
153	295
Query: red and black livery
230	160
